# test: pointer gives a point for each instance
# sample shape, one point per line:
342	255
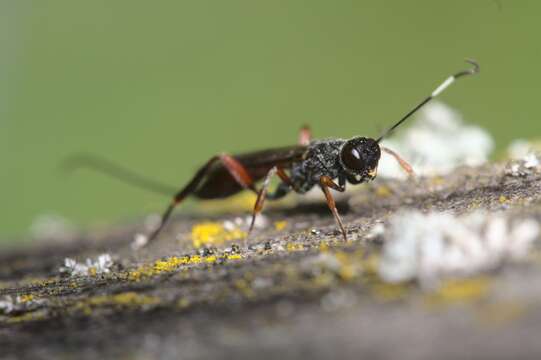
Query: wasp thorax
360	157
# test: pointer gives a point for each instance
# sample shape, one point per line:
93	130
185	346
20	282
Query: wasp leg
282	190
285	178
238	172
235	168
325	183
305	135
403	163
119	172
262	193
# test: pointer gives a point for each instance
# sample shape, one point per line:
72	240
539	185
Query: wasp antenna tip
476	68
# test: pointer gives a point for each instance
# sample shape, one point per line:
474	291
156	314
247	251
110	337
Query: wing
278	156
219	183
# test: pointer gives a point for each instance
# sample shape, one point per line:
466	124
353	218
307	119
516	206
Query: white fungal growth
7	305
437	142
101	265
528	163
139	241
520	148
243	223
376	231
531	161
526	155
428	247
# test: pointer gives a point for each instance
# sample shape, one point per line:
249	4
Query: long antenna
116	171
444	85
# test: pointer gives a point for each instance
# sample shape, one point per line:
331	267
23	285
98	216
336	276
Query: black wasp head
359	158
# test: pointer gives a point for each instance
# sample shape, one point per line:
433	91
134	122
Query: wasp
329	164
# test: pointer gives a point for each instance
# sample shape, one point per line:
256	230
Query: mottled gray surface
295	293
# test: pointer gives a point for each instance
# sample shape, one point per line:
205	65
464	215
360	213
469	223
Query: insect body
327	164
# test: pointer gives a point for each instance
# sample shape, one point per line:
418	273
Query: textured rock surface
293	289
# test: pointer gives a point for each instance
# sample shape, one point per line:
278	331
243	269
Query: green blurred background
160	86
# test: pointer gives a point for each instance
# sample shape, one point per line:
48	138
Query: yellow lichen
173	263
437	180
141	272
294	247
183	303
26	317
126	299
383	191
503	199
371	264
212	233
324	279
244	287
389	292
92	271
350	265
170	264
26	298
460	291
280	225
243	201
39	281
475	204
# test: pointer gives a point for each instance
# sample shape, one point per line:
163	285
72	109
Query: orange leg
284	177
305	135
262	194
325	183
403	163
235	168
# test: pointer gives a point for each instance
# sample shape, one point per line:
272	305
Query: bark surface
294	289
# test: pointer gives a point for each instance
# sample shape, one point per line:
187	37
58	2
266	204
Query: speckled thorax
321	158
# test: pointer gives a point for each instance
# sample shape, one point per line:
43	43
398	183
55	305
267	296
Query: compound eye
352	158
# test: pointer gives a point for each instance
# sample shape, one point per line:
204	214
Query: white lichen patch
102	264
428	247
437	142
243	223
208	233
139	241
7	305
376	231
10	304
528	163
531	161
520	148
